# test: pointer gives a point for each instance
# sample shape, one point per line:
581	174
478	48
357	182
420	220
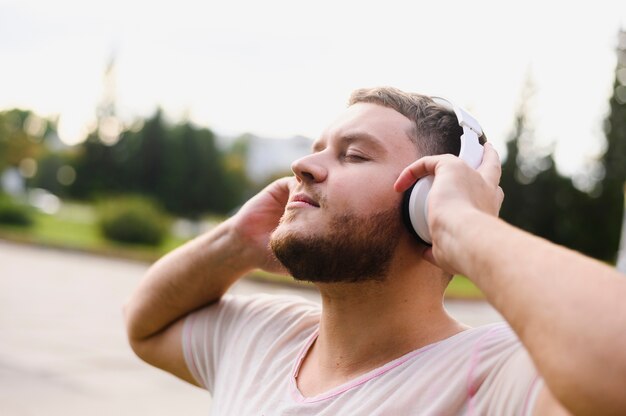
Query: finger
292	183
279	189
284	184
491	168
500	198
420	168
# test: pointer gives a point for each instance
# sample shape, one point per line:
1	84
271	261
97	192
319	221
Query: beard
357	249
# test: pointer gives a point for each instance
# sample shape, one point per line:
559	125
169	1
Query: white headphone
415	204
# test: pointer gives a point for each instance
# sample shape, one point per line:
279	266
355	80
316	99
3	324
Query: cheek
371	194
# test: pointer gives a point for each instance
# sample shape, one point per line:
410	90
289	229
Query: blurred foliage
73	227
22	134
132	219
14	213
611	200
547	204
180	167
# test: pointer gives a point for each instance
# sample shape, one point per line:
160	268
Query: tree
152	150
529	177
22	135
181	167
194	175
611	200
538	199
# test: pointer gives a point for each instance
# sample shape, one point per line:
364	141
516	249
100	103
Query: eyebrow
353	137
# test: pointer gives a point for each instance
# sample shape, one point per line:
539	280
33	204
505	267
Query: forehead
386	125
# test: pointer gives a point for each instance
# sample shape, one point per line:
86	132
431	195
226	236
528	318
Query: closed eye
355	157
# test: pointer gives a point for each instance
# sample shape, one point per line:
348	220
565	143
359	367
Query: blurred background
127	128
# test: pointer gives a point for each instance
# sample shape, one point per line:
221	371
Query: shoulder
238	312
265	305
266	301
502	378
478	352
489	346
238	328
485	339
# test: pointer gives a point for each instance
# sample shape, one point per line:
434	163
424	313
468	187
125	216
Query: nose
309	169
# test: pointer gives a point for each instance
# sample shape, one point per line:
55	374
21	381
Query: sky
284	68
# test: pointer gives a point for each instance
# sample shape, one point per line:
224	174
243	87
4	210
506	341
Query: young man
382	342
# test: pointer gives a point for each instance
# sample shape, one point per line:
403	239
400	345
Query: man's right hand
258	217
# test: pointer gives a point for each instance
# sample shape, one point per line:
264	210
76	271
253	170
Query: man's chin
288	232
294	227
349	249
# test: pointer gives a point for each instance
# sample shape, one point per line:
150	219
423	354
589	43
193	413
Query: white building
12	182
269	157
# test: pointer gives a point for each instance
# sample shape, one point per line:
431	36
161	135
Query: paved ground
62	345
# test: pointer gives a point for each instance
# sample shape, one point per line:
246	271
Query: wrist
453	223
251	245
455	237
237	247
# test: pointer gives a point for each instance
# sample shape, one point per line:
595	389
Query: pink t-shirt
247	350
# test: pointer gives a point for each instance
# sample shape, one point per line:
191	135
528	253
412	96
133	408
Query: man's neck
365	325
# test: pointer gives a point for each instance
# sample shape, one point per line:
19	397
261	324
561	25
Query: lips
303	198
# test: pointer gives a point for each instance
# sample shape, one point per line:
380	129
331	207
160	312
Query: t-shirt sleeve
226	333
503	380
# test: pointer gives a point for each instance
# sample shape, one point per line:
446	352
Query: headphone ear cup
415	209
406	217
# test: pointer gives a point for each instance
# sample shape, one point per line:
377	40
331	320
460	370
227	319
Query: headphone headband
415	204
471	149
465	119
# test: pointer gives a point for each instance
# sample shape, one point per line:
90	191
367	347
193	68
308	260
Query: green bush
132	219
14	213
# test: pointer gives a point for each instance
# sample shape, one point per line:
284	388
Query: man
382	343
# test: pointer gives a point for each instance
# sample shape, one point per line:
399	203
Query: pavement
63	348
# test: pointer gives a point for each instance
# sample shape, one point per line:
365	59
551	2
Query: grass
462	288
74	228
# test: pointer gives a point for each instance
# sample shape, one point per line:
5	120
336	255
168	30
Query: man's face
342	221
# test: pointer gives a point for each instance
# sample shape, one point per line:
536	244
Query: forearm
189	277
566	308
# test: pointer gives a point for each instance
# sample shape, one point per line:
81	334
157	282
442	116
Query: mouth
301	199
